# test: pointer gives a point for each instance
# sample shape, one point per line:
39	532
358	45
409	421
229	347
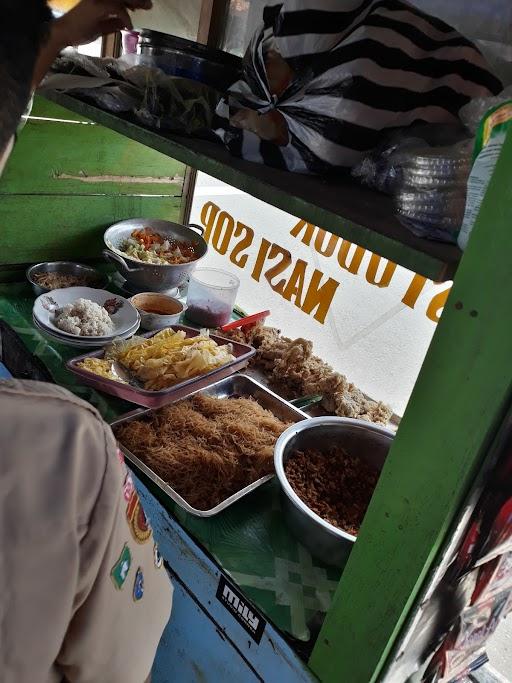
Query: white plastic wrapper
472	114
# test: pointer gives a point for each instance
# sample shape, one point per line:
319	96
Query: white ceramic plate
122	313
85	341
76	342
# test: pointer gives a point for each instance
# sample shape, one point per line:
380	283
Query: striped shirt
363	67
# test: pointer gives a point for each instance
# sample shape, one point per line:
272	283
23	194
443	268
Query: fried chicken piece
350	402
292	367
378	412
236	336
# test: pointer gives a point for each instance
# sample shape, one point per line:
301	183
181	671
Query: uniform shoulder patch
159	560
137	521
120	570
138	586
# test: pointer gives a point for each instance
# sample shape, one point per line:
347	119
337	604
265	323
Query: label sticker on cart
246	615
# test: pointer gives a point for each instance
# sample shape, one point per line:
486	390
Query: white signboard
371	319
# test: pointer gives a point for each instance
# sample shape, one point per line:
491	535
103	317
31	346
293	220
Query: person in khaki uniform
85	595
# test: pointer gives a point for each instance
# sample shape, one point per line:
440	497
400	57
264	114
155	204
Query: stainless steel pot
94	277
360	439
150	277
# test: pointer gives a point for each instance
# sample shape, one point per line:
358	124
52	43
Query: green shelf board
337	205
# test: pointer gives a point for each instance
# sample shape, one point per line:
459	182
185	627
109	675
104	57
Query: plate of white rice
86	313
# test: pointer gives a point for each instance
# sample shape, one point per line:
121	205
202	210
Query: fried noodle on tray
206	448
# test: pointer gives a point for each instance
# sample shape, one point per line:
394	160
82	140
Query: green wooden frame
340	206
81	178
457	403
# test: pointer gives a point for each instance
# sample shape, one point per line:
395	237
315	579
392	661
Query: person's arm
83	24
88	593
123	592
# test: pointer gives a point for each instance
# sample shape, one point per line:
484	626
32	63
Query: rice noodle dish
206	448
85	318
150	247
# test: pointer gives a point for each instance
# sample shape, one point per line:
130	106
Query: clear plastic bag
130	85
473	112
427	181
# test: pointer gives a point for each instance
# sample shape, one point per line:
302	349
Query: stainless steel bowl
94	277
150	277
360	439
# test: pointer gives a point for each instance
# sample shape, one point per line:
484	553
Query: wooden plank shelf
337	205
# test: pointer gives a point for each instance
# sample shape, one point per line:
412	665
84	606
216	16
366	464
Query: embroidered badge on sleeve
137	521
159	560
121	568
138	586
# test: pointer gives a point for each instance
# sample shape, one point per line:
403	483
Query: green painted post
457	403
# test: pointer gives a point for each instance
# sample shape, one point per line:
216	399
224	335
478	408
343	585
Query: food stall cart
250	602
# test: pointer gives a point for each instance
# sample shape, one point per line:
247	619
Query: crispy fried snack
170	357
295	371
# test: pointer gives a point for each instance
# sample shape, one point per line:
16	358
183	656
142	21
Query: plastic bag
127	85
425	170
107	93
472	113
173	104
353	72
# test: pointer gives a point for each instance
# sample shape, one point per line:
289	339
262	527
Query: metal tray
234	386
156	399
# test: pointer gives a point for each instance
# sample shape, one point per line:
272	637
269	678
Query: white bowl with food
83	312
158	311
154	255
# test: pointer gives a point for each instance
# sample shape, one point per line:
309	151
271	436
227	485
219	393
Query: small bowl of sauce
158	311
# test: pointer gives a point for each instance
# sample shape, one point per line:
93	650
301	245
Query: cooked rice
85	318
206	448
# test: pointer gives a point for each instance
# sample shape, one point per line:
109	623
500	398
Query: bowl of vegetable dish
154	255
328	468
45	277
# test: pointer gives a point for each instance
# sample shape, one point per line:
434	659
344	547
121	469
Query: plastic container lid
215	278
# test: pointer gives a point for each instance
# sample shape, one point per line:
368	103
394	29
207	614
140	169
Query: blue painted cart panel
194	650
270	659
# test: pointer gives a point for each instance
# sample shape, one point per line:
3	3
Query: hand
83	24
93	18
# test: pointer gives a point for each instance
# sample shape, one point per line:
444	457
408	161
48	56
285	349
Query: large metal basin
150	277
360	439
